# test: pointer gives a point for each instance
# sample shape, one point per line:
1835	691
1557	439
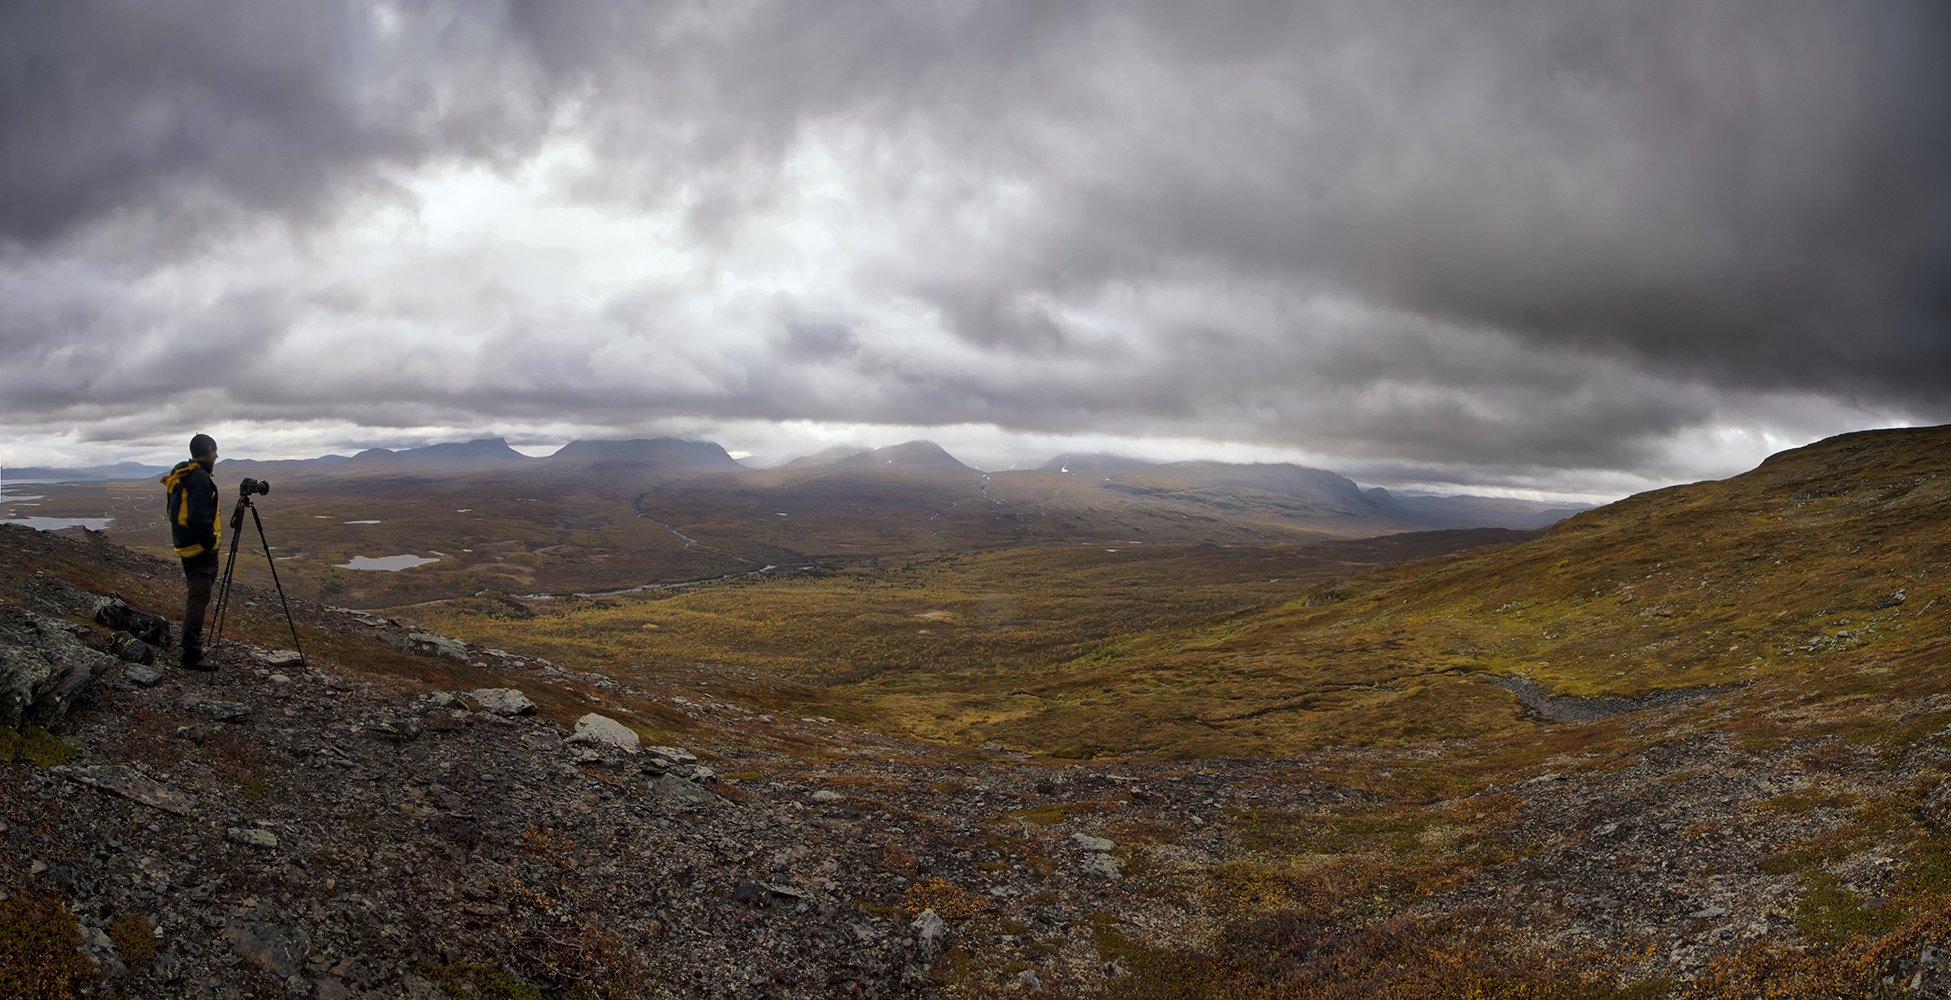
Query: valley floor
1753	802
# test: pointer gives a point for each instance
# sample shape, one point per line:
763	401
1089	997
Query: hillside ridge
1321	797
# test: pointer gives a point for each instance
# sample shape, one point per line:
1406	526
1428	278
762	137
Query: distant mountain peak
644	451
452	454
907	455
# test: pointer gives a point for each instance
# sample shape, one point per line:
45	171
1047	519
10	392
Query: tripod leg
289	622
223	595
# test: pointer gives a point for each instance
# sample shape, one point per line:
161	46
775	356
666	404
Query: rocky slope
406	815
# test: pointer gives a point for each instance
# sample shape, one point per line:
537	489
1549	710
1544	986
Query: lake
390	564
55	523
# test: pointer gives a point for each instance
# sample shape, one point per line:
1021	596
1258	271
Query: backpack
148	626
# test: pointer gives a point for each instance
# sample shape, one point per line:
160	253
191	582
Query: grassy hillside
485	531
1363	812
1811	568
944	622
1818	570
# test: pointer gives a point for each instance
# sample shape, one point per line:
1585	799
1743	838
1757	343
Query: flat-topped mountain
477	454
1291	487
909	455
665	453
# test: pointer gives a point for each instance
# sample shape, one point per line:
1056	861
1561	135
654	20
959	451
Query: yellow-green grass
528	531
1783	579
1748	581
500	539
945	626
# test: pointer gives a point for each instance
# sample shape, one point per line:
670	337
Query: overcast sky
1577	246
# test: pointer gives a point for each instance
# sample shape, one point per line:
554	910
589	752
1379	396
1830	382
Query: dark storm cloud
185	110
1521	233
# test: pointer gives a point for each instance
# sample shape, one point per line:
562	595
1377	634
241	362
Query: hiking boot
193	659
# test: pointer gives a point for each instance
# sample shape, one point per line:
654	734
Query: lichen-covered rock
674	755
930	934
502	701
601	730
273	948
218	711
43	673
435	644
129	784
251	836
131	649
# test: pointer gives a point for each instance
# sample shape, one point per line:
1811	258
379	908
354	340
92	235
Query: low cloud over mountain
1521	245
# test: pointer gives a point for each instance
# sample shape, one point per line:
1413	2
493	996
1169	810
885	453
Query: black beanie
201	445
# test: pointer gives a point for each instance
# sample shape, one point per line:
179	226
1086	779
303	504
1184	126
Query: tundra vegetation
1793	618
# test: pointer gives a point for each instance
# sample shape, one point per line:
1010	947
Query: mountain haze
481	453
909	455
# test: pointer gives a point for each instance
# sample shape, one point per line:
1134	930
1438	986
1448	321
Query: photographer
195	521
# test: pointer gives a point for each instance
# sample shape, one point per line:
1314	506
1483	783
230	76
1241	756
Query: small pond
391	564
55	523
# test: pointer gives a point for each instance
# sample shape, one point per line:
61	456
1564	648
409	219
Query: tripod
223	598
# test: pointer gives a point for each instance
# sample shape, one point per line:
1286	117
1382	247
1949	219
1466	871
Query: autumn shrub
489	981
134	937
1306	955
40	949
37	746
948	900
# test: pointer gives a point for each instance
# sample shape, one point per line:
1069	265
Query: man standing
195	521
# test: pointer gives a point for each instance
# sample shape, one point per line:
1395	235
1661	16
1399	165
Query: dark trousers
199	576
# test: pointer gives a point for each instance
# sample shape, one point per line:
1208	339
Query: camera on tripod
244	491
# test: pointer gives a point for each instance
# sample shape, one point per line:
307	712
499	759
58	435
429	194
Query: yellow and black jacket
195	516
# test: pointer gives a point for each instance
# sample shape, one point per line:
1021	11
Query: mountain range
1283	495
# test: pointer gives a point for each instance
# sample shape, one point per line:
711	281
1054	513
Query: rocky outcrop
44	669
603	731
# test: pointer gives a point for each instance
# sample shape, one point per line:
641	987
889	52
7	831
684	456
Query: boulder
251	836
434	644
279	657
930	934
678	794
426	644
132	649
502	701
43	675
129	783
1090	843
218	711
273	948
1104	865
601	730
1937	806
